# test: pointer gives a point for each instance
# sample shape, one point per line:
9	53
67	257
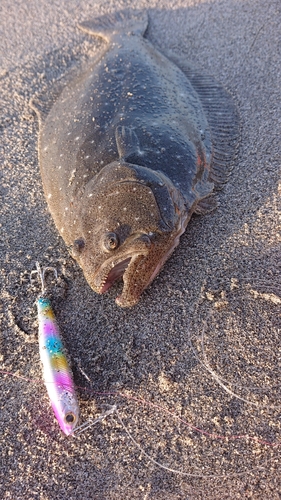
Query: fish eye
145	238
79	244
69	418
111	241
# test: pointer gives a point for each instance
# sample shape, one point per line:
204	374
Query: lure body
56	371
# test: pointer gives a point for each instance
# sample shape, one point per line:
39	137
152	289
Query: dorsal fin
42	103
222	117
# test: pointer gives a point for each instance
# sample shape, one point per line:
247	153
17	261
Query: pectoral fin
127	142
207	205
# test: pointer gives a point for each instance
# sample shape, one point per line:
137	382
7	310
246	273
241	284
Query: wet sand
202	348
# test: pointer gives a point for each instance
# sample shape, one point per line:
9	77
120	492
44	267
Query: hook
41	273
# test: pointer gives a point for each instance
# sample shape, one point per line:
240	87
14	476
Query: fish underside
128	151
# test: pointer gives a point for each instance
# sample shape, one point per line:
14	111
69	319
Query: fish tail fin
118	22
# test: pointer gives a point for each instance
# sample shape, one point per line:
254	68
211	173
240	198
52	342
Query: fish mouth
112	274
127	267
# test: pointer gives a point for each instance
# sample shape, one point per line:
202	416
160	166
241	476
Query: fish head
125	230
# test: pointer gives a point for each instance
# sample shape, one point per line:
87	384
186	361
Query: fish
57	374
129	150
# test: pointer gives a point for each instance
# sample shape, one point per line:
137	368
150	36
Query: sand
202	348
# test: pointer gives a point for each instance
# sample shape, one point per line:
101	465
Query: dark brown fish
130	149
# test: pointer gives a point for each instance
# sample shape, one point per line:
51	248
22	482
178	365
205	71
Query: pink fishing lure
56	371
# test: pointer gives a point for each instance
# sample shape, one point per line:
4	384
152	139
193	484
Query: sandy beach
194	368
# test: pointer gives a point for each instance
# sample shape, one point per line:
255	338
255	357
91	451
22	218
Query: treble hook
41	273
57	373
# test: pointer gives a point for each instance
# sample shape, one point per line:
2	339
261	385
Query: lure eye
69	418
111	241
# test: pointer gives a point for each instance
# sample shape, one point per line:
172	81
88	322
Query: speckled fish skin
126	158
56	371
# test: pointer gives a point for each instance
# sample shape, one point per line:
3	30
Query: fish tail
118	22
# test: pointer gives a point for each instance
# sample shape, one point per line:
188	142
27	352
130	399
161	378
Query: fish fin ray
207	205
42	102
118	22
127	142
36	106
203	188
222	117
70	69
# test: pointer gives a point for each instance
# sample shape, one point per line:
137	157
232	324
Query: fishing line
205	364
90	423
158	407
177	471
140	401
114	411
221	381
78	433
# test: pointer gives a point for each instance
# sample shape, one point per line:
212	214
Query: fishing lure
56	371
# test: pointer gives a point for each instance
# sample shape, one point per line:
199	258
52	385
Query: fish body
56	371
128	152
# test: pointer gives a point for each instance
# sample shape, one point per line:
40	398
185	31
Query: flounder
130	149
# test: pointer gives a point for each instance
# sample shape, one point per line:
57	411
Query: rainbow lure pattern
56	371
